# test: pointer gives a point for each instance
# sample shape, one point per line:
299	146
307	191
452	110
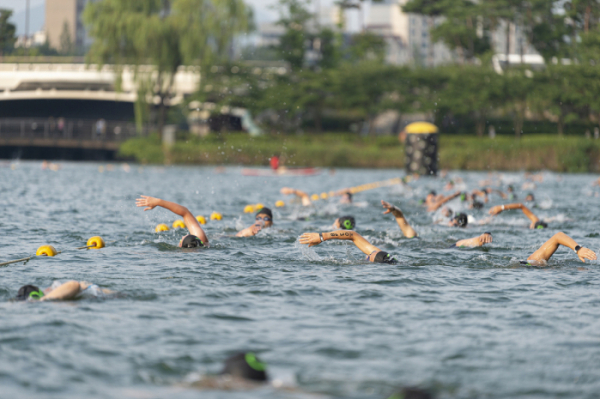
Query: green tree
7	32
516	95
294	18
156	37
367	46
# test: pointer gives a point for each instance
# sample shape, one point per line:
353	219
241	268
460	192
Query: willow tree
156	37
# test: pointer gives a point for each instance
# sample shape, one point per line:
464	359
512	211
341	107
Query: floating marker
95	242
324	196
201	219
47	250
258	206
216	216
249	209
178	224
161	227
279	204
314	197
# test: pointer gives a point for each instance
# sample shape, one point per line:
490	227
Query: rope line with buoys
95	242
369	186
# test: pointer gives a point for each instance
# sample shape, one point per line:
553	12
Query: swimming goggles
266	218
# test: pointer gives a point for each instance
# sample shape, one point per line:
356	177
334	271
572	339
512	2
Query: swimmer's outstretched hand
586	253
149	202
311	239
391	209
287	191
496	210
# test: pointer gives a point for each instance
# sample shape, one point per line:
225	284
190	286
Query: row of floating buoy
95	242
179	224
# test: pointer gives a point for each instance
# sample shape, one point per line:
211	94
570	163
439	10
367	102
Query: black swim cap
461	219
265	211
347	222
532	197
432	192
384	257
477	205
540	225
27	291
349	194
247	366
191	241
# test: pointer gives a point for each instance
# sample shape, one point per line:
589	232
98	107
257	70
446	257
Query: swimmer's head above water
264	215
460	220
381	257
190	241
345	223
29	292
247	366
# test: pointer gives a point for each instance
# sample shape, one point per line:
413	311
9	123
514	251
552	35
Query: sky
262	10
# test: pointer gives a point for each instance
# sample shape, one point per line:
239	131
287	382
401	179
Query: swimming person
345	223
373	253
536	223
303	196
59	292
459	220
242	371
406	228
196	238
541	256
263	219
346	198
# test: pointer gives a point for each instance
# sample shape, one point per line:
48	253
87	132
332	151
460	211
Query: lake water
467	323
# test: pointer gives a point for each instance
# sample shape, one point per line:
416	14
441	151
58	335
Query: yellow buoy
47	250
421	128
216	216
161	227
324	195
279	204
259	206
96	241
314	197
178	224
201	219
249	209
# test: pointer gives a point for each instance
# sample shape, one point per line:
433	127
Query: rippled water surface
468	323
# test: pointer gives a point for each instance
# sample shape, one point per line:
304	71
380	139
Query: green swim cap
254	362
36	294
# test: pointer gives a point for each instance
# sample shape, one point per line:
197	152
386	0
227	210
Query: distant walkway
66	133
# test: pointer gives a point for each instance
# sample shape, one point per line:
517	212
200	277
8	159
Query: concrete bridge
34	81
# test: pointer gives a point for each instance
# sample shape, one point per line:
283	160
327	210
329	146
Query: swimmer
406	228
536	223
196	238
529	197
303	196
345	223
411	393
61	292
478	241
459	220
541	256
241	372
511	192
437	203
263	219
373	253
346	198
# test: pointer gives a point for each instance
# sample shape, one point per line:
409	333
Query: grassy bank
535	152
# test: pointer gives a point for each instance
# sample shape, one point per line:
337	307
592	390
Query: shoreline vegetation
534	152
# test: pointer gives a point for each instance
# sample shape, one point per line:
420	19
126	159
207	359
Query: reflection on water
465	323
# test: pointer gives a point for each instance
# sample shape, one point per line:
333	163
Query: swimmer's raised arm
305	198
67	290
480	193
361	243
190	221
406	228
478	241
549	247
438	204
500	208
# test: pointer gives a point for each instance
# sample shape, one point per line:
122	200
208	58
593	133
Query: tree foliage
7	32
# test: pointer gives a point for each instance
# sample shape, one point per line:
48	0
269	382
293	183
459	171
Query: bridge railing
68	129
